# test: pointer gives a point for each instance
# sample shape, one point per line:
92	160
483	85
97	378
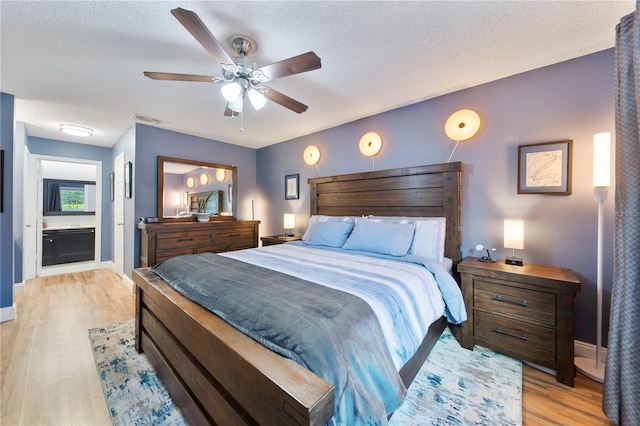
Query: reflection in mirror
68	197
184	186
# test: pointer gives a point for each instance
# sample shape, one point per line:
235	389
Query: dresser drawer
182	239
530	305
163	255
233	233
515	338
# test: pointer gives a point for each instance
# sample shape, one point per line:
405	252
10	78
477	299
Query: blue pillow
380	237
330	234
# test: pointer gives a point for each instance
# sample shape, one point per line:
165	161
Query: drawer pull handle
234	235
180	240
521	336
523	302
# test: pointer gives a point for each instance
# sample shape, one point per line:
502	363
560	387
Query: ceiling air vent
142	118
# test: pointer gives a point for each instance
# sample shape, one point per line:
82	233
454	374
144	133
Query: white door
118	215
32	210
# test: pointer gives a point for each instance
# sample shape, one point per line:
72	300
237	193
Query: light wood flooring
48	375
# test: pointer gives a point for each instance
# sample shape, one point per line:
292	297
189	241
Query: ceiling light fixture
72	129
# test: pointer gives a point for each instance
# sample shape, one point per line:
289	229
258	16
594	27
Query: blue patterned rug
454	386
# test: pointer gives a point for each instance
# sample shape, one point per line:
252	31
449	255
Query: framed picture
127	179
291	187
545	168
1	180
111	185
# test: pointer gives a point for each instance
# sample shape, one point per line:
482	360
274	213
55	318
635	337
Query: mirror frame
160	197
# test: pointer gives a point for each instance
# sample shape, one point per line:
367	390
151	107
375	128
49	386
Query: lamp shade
221	174
462	125
289	221
204	179
231	91
257	99
370	144
514	234
191	182
311	155
601	159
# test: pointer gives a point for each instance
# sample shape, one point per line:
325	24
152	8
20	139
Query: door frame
38	205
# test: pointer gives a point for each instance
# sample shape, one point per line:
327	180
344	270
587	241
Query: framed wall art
127	179
291	187
111	186
1	180
545	168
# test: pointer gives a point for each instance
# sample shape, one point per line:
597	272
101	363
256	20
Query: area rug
454	386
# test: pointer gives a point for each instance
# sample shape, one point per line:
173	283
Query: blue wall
570	100
150	142
6	217
58	148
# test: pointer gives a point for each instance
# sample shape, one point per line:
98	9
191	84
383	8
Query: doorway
33	216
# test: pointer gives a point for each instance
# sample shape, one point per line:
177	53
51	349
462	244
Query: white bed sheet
404	296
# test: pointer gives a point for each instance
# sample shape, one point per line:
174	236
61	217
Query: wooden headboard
428	191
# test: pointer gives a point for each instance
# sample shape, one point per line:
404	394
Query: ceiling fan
241	78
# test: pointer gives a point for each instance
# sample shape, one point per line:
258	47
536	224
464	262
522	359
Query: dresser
526	312
162	241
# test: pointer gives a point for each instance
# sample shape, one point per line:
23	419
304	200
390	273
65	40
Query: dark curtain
55	204
621	399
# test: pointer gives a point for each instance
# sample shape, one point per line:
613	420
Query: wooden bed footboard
216	374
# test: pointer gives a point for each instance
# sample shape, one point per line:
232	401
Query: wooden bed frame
217	375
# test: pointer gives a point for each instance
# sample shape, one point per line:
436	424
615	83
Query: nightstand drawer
501	297
173	240
515	337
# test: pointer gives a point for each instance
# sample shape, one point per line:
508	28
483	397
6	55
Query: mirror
68	197
183	183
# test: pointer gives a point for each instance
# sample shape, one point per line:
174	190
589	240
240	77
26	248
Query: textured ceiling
82	62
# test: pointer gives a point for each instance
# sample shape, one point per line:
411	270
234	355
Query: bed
216	374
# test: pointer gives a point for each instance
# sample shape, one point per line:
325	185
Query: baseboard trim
588	350
128	282
18	288
8	313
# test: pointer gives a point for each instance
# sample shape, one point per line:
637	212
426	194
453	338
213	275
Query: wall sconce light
460	126
601	181
289	223
514	239
191	182
221	175
204	179
185	199
311	155
370	144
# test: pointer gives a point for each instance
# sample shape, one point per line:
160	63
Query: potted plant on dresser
203	216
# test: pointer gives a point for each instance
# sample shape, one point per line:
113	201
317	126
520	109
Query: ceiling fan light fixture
237	104
231	91
257	99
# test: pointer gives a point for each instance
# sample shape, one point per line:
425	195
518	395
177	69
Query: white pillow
429	237
322	218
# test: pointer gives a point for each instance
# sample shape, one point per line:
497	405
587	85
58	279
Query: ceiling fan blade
191	21
302	63
284	100
179	77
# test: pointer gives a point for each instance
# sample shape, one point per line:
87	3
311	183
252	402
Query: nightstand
278	239
526	312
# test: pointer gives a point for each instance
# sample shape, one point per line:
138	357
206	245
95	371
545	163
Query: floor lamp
601	181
